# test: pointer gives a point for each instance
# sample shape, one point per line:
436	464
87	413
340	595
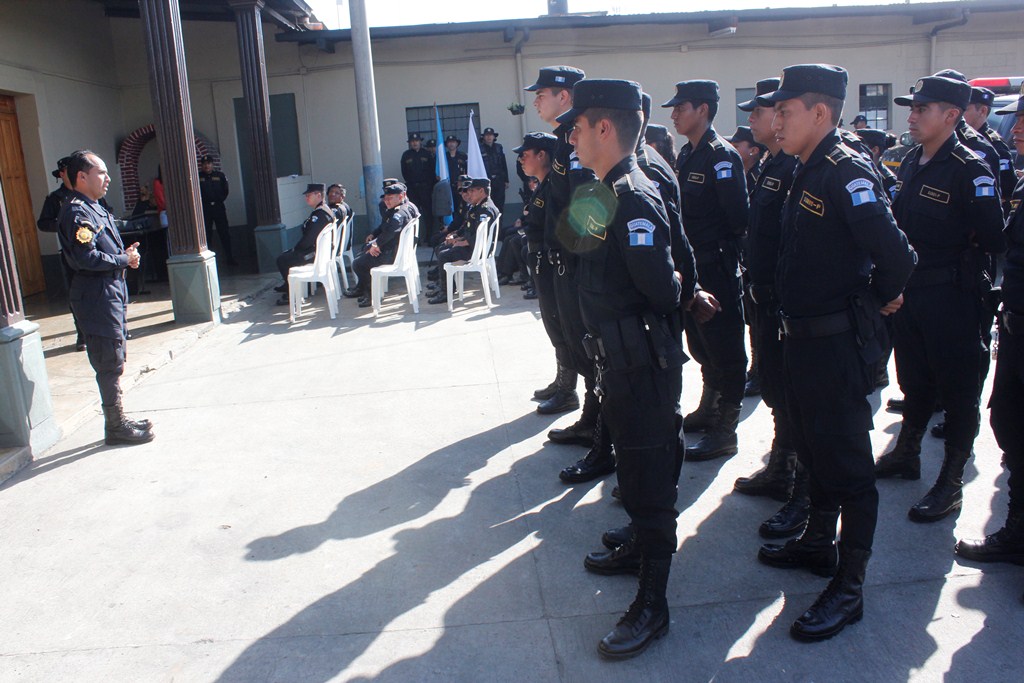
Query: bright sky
335	13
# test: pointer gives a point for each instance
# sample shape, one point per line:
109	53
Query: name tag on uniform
595	229
812	204
896	188
1014	203
641	232
935	195
538	202
772	184
695	178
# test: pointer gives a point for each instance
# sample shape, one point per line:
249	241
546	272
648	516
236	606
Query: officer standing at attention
629	291
972	139
48	223
976	116
92	247
418	173
457	162
842	262
494	162
714	210
1007	544
947	204
213	188
305	250
764	238
877	141
750	152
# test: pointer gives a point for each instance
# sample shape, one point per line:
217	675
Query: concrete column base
270	242
27	424
195	288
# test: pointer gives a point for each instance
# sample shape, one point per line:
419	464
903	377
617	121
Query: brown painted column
195	290
11	306
269	232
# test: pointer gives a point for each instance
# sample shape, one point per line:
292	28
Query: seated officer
381	246
336	200
459	245
303	252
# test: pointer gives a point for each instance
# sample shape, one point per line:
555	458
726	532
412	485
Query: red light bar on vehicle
1001	86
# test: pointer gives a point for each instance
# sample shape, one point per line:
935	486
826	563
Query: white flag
475	167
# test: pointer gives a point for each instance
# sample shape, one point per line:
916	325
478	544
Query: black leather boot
938	430
947	495
616	494
1005	545
581	432
706	413
904	460
720	440
598	462
840	604
548	391
613	538
564	399
647	618
623	559
118	430
774	480
814	550
791	518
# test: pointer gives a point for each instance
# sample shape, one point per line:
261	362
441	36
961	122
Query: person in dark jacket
48	223
381	246
213	188
497	170
418	174
305	250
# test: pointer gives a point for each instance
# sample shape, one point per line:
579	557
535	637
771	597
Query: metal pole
366	104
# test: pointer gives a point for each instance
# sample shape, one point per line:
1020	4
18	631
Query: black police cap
876	138
480	182
694	91
431	143
604	93
951	73
315	187
541	142
388	182
645	105
557	77
858	118
415	136
763	87
206	158
1014	107
743	134
656	133
801	79
394	188
982	96
62	164
463	182
489	131
937	89
452	137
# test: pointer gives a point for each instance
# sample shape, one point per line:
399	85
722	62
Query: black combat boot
841	603
791	518
904	460
581	432
598	462
548	391
720	440
647	618
623	559
613	538
707	412
774	480
947	495
564	399
119	430
1005	545
814	550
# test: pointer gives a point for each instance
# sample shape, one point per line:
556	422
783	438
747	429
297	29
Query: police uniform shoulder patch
934	194
641	232
984	186
86	232
812	204
723	170
1004	165
862	191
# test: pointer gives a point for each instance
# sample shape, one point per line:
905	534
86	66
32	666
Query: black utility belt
1013	322
931	277
816	326
108	274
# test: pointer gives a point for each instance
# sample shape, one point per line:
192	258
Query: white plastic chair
343	249
492	266
477	263
301	278
405	265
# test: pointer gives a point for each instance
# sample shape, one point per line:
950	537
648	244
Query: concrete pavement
365	499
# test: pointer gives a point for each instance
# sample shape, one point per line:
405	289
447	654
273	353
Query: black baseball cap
982	96
606	93
694	91
743	134
557	77
394	188
62	164
763	87
937	89
542	142
873	137
800	79
315	187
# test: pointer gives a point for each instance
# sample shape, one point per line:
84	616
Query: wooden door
19	203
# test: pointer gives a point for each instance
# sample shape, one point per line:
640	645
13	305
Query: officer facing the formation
842	263
947	204
381	246
418	173
1007	544
629	294
764	237
493	155
92	248
304	251
976	116
213	189
714	211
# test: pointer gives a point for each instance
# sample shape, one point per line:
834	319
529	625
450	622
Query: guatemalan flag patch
641	232
984	187
861	191
723	170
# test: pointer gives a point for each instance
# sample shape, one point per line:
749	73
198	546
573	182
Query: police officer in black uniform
972	139
976	116
714	210
304	251
947	204
381	246
418	169
536	154
336	200
493	155
459	244
877	141
213	189
458	163
630	294
92	248
1007	544
843	263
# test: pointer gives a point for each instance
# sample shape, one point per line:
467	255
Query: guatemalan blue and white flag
442	165
475	167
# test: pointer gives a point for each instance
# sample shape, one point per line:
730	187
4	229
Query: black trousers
827	383
362	265
638	409
938	346
544	283
421	195
567	296
217	216
718	344
290	258
106	356
1006	418
764	323
68	274
451	255
498	193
